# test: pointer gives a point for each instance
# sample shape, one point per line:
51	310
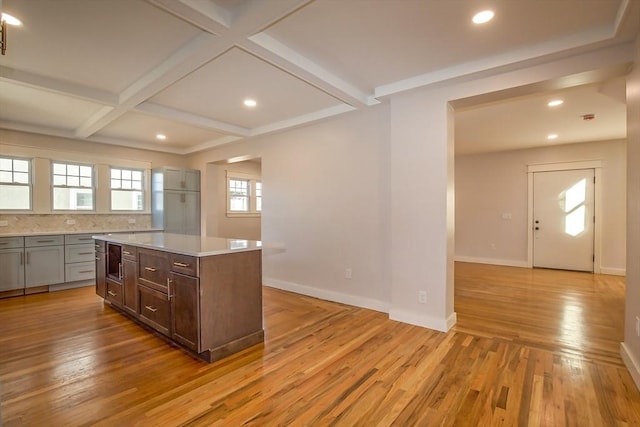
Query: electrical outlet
4	223
132	220
71	222
637	326
348	273
422	297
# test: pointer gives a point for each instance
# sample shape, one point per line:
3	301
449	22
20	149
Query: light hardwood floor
532	347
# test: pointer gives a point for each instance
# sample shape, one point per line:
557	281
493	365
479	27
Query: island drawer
79	271
184	264
114	293
153	269
129	252
155	309
11	242
79	253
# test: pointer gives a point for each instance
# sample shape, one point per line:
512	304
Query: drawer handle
85	271
4	243
113	294
45	241
181	264
126	252
85	253
85	238
151	309
151	269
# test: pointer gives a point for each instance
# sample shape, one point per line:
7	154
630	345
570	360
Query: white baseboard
493	261
631	363
613	271
430	322
354	300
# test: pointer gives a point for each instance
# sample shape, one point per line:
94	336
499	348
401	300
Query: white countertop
70	232
182	243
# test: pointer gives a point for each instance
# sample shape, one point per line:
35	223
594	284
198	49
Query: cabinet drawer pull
151	269
85	238
85	253
4	243
85	271
126	252
113	294
151	309
45	241
181	264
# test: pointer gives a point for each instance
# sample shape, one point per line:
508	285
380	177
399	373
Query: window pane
21	177
137	185
126	185
239	204
136	175
73	181
59	180
86	171
126	200
59	169
6	164
73	170
72	199
126	174
15	197
21	165
115	173
85	182
259	204
115	183
6	176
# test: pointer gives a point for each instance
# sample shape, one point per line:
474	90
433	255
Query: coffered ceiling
122	71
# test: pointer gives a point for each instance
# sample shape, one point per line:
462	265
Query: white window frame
29	184
252	180
142	188
73	189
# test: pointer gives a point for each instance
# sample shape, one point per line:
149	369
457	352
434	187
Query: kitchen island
202	293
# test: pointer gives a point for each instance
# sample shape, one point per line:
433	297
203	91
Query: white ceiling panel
526	122
219	88
376	42
23	104
102	44
140	127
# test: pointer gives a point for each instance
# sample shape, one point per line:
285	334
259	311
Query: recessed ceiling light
552	136
555	102
10	20
483	17
161	137
250	102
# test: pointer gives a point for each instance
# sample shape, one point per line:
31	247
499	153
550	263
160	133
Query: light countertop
183	244
70	232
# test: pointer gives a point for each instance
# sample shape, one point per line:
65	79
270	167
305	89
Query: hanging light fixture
5	19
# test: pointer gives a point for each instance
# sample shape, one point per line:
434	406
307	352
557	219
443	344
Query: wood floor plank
531	347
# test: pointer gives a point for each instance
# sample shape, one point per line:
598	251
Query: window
244	195
15	184
72	186
127	192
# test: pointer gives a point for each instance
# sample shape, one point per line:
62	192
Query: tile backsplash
34	223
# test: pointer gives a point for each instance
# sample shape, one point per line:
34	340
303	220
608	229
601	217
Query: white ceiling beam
203	14
577	42
61	87
190	118
200	50
276	53
255	16
210	144
301	120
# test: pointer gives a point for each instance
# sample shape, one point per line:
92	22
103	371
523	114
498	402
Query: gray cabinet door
12	268
44	265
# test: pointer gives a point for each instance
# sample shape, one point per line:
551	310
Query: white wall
489	185
631	345
326	202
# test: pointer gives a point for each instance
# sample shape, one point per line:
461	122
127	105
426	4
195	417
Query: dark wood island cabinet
202	293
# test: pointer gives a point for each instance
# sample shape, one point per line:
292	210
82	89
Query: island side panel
231	297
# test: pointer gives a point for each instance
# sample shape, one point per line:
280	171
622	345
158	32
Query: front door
563	219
